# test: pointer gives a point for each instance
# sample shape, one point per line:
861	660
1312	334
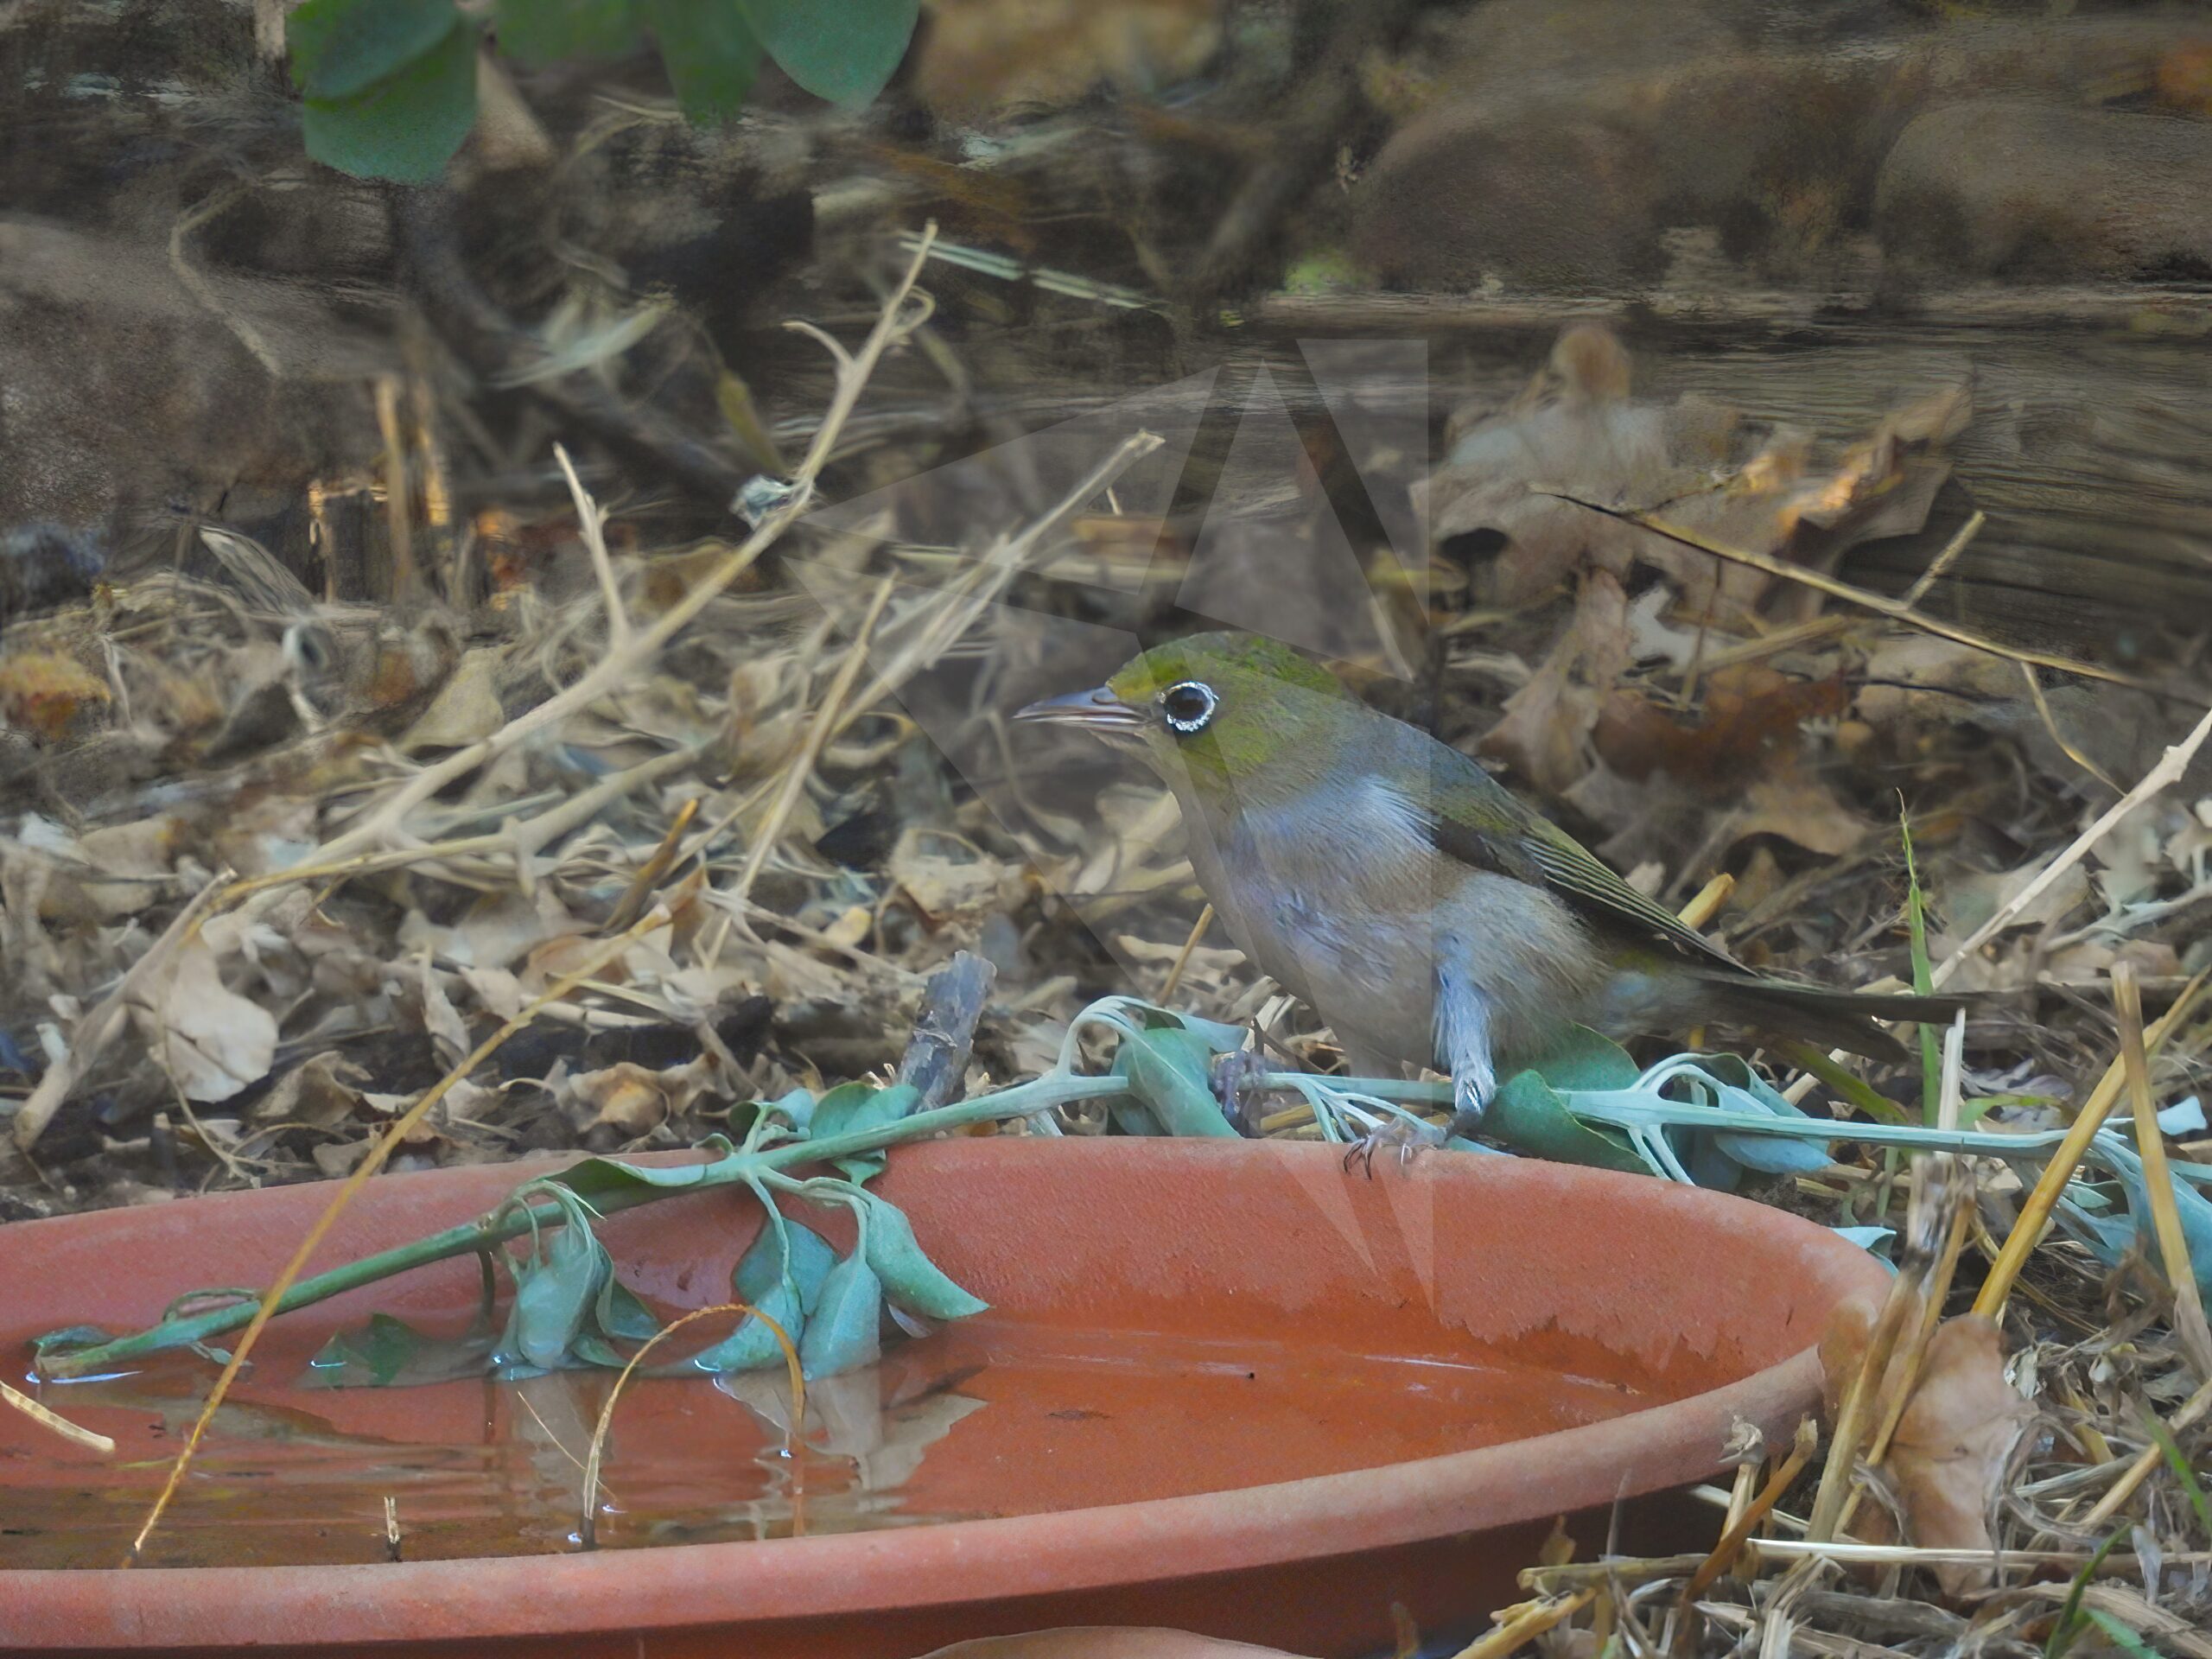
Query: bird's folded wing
1529	846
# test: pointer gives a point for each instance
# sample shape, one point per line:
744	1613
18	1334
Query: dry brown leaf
212	1042
946	878
466	707
981	56
1949	1453
448	1031
634	1100
1544	733
625	1095
319	1092
1946	1460
1801	810
1750	712
43	692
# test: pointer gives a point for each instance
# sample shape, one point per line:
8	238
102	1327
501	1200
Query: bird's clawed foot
1411	1138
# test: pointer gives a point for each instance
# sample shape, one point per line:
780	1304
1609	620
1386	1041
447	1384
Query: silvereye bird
1424	913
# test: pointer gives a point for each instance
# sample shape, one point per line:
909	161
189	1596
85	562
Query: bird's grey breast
1333	896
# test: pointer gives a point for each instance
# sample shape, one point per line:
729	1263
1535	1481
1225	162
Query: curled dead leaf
212	1042
1750	711
1946	1463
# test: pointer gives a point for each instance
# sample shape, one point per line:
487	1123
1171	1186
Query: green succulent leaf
752	1345
622	1316
595	1176
853	1106
845	51
1170	1071
1530	1116
375	1354
387	1353
846	1331
909	1277
404	127
787	1253
544	31
1584	1060
555	1288
710	51
338	48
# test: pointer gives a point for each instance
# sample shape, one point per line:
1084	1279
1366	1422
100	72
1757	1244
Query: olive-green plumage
1422	910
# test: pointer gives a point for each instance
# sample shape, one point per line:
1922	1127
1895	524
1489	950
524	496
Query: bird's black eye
1187	706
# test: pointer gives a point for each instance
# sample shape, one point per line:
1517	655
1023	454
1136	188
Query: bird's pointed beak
1099	711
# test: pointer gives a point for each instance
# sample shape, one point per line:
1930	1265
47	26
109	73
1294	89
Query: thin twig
2157	1181
1183	957
617	666
2050	725
1944	560
588	1530
2139	1471
1740	1529
801	766
2168	771
46	1418
2027	1230
1881	604
591	518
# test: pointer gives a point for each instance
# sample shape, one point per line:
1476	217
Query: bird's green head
1227	714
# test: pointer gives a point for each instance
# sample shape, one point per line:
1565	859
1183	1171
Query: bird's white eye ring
1187	705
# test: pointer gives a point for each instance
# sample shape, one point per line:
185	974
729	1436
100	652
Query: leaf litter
289	859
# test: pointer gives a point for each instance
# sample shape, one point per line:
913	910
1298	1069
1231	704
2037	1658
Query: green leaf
851	1107
621	1315
387	1353
752	1345
338	48
909	1277
406	127
1583	1059
1762	1153
378	1352
2122	1636
1530	1116
791	1253
1923	976
55	1343
841	50
710	51
846	1332
544	31
596	1176
2069	1622
555	1291
1170	1069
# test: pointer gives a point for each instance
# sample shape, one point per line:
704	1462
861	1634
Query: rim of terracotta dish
1317	1516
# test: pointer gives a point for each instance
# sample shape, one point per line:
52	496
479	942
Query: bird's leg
1234	1074
1462	1041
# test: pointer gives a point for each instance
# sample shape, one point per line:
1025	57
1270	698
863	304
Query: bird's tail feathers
1821	1013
